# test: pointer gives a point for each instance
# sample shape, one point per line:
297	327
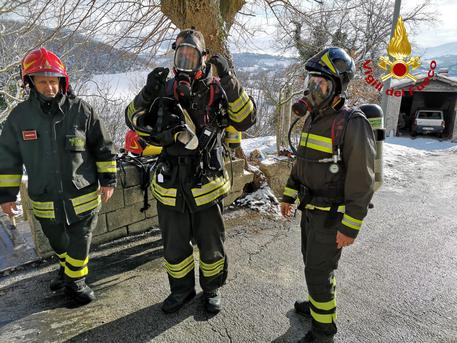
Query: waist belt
336	208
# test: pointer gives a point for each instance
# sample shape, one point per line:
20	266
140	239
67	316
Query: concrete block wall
121	216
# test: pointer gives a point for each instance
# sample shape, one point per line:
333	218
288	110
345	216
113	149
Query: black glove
156	81
221	64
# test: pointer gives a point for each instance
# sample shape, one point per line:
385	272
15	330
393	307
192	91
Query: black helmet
189	51
334	63
160	122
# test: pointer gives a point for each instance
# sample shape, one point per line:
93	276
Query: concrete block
124	216
101	225
131	177
116	202
277	173
110	236
133	195
237	165
143	225
152	211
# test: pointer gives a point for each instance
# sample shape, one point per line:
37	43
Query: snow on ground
262	200
422	143
267	145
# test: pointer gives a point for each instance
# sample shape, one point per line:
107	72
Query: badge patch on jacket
75	143
29	135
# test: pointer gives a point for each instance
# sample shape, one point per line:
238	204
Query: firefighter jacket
66	152
186	181
345	186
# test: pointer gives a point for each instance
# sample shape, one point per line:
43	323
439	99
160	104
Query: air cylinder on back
375	116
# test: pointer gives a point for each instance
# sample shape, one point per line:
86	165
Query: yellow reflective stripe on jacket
84	198
340	209
238	104
289	192
316	142
167	192
10	180
205	199
43	205
181	269
323	318
43	209
325	306
210	186
351	222
106	167
76	274
88	206
212	269
232	137
239	109
86	202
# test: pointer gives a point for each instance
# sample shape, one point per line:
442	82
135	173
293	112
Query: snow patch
262	200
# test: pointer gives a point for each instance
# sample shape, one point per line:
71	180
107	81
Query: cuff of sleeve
288	199
350	226
106	181
4	198
348	231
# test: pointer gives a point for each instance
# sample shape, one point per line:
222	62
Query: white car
428	121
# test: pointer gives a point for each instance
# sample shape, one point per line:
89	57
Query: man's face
47	85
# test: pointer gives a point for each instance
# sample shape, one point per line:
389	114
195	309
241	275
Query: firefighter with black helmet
70	163
333	181
190	116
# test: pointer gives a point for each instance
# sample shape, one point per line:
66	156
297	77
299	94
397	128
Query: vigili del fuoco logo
398	64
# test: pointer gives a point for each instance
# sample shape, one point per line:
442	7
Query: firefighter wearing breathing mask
191	115
332	180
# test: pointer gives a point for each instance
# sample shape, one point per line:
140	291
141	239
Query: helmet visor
187	58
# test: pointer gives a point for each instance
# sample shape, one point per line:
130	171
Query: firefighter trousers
321	256
206	229
71	244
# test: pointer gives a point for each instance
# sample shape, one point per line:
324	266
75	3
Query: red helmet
45	63
133	143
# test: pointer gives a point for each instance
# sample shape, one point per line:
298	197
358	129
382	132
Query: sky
444	30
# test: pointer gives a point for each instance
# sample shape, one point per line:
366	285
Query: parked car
427	122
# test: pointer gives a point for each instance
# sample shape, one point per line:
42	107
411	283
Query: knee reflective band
43	209
62	258
239	109
212	190
106	167
180	270
86	202
75	268
323	312
10	180
316	142
212	269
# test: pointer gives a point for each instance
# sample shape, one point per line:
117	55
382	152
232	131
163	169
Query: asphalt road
396	284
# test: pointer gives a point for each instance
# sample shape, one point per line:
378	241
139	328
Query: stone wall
277	172
121	216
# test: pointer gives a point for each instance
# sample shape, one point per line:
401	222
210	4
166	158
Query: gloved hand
155	82
221	64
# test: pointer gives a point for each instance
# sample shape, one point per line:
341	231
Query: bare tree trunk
213	18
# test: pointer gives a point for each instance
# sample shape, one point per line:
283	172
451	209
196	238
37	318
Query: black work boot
212	301
177	300
302	307
79	291
316	338
57	282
